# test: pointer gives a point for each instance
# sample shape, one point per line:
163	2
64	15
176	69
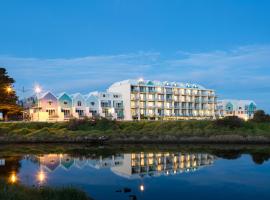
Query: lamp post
38	91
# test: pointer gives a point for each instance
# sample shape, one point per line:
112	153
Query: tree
261	116
8	98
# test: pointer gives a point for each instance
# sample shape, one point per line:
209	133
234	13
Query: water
143	172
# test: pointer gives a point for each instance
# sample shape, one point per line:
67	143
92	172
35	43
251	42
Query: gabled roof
76	95
237	102
41	96
62	94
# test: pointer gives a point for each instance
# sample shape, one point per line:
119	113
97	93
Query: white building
244	109
105	104
165	100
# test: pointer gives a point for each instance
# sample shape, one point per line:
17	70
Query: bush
261	116
90	124
230	122
19	192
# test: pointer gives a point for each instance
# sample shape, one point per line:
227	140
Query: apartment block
155	100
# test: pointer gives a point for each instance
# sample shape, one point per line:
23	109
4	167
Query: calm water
143	172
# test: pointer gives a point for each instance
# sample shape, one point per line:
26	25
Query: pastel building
49	107
78	105
44	108
145	99
244	109
65	106
105	104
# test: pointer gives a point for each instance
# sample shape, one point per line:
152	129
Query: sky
86	45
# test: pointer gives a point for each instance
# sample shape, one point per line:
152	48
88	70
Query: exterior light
9	89
38	89
13	178
41	176
140	80
141	187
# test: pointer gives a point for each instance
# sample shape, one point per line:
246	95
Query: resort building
105	104
137	165
244	109
155	100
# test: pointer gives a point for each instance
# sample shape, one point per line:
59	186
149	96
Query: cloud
242	72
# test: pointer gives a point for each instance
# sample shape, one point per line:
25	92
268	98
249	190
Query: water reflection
142	174
130	165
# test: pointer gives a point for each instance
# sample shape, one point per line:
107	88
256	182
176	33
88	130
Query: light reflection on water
143	175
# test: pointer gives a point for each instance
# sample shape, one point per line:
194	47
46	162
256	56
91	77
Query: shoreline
166	139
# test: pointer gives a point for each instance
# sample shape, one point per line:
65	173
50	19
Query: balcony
151	106
168	91
152	91
134	90
134	105
160	99
204	94
134	98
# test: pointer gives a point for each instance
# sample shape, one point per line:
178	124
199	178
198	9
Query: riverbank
105	131
20	192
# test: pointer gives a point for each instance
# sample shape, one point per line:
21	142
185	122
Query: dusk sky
82	46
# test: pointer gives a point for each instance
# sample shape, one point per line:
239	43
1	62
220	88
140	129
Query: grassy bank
19	192
102	129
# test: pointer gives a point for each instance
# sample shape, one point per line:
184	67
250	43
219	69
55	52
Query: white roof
159	83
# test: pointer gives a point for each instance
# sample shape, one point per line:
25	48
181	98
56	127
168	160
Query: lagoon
143	172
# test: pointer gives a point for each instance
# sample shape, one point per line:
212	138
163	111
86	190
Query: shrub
230	122
261	116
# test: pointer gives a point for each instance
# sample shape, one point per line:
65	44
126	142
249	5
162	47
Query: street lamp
9	89
38	91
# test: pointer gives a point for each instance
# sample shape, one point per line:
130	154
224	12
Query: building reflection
138	165
128	165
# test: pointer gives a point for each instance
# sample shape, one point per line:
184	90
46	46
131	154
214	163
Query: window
50	102
115	96
79	103
65	103
104	95
92	103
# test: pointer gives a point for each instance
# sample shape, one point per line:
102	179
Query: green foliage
77	130
8	98
19	192
91	124
261	116
230	122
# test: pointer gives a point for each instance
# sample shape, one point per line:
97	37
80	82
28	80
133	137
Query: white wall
124	90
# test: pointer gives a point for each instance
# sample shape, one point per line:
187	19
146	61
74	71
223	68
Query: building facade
106	104
49	107
243	109
155	100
